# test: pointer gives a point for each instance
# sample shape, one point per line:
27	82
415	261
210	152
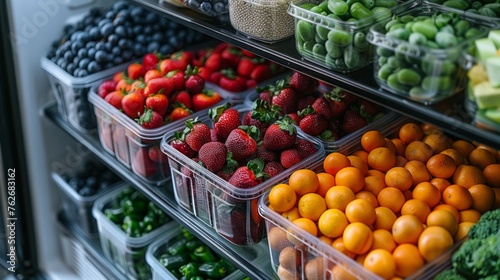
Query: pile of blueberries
213	8
103	39
93	178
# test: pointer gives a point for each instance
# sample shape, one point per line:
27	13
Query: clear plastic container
231	211
130	143
213	9
347	49
438	68
266	21
469	10
128	254
157	248
71	93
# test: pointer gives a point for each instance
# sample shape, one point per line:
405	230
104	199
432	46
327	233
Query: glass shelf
449	115
256	269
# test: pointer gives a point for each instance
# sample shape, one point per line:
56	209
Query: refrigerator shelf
163	196
449	114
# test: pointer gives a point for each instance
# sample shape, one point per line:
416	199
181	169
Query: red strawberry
142	165
158	103
284	97
248	176
280	135
231	82
214	62
106	87
150	119
150	61
241	142
251	83
312	123
115	98
205	73
225	175
265	94
214	137
337	104
213	155
152	74
261	73
249	120
231	55
184	98
295	118
349	98
225	119
248	53
353	121
289	157
322	106
215	77
178	79
265	154
156	155
177	61
305	101
302	83
179	112
305	148
220	47
196	134
133	104
161	85
135	71
194	83
205	99
182	147
368	107
273	168
246	66
262	116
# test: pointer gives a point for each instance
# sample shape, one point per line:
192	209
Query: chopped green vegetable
488	224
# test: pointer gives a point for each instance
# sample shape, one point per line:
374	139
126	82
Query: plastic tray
157	248
130	143
266	21
231	211
209	9
71	93
126	253
419	56
329	54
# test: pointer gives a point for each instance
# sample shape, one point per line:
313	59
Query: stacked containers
128	254
324	38
420	65
231	211
485	10
214	9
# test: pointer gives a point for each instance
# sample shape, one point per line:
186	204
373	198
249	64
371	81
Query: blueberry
120	5
76	72
55	44
70	67
121	31
219	7
83	73
80	25
127	55
91	182
113	39
172	25
116	51
139	49
94	33
137	13
68	56
68	29
94	12
163	23
100	46
157	36
86	191
137	30
82	52
84	63
170	33
83	37
91	53
148	30
108	46
101	56
117	60
174	42
166	49
73	183
153	46
60	60
93	67
107	29
51	54
90	44
124	43
125	14
151	18
102	22
104	185
206	7
194	4
141	38
66	46
76	46
110	14
108	65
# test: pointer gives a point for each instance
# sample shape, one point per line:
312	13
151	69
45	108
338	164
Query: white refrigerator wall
35	24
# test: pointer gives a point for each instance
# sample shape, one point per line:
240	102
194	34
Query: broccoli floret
449	274
488	224
478	258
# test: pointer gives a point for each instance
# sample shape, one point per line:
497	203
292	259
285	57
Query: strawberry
178	79
152	74
246	66
353	121
156	155
183	97
135	71
265	94
124	84
105	88
158	103
295	118
150	61
312	123
213	155
368	107
142	165
205	99
196	134
161	85
194	83
322	106
220	47
248	176
248	53
115	98
205	73
179	112
305	148
289	157
262	116
261	73
177	61
215	77
231	82
284	97
251	83
305	101
138	86
231	55
273	168
225	119
337	104
280	135
214	137
265	154
349	98
181	146
302	83
241	142
133	104
150	119
224	175
118	76
214	62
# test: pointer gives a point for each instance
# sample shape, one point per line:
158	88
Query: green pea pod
396	63
401	51
358	11
305	30
397	26
340	38
390	23
448	68
421	18
318	39
351	57
368	3
420	93
308	46
408	77
431	45
495	7
384	71
332	49
401	34
446	40
457	4
417	39
330	61
360	41
386	3
442	20
392	82
428	30
319	51
322	32
487	12
338	7
381	51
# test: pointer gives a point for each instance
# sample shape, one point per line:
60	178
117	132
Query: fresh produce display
216	9
484	82
186	257
418	52
333	32
106	38
396	204
220	166
138	220
479	256
485	8
266	21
